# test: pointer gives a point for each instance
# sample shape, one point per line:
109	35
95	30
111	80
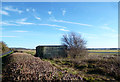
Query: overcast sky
28	25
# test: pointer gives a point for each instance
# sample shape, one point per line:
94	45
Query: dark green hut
51	51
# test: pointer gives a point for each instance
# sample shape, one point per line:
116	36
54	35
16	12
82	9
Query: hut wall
51	51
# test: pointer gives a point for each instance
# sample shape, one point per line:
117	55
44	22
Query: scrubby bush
4	47
76	46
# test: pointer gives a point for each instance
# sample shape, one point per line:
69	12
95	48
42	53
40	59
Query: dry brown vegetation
94	67
32	52
21	66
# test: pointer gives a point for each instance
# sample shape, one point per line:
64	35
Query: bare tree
76	46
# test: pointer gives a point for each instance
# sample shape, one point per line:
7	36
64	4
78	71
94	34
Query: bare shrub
3	47
76	46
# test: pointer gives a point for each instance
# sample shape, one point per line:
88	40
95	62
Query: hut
51	51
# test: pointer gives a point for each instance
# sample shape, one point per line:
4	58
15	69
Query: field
33	52
103	51
95	66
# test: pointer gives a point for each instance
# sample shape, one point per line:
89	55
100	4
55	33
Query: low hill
22	66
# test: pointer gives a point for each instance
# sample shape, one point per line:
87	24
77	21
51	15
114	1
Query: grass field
33	52
103	50
93	67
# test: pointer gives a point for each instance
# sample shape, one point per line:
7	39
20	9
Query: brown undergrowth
21	66
92	68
